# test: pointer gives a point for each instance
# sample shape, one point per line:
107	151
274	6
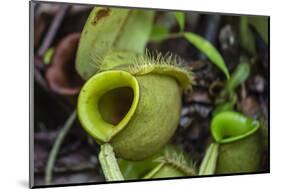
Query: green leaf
137	169
260	23
239	76
208	165
48	55
180	16
159	33
208	49
246	36
151	167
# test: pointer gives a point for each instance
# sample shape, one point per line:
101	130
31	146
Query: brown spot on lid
101	14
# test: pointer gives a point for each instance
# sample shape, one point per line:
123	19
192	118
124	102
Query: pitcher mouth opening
107	102
231	126
115	104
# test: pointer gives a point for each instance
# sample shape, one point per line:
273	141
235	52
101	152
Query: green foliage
159	33
48	55
239	76
180	17
208	165
207	49
259	23
227	97
173	163
247	39
138	169
168	162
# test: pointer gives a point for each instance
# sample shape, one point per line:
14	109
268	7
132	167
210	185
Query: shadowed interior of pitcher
115	104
